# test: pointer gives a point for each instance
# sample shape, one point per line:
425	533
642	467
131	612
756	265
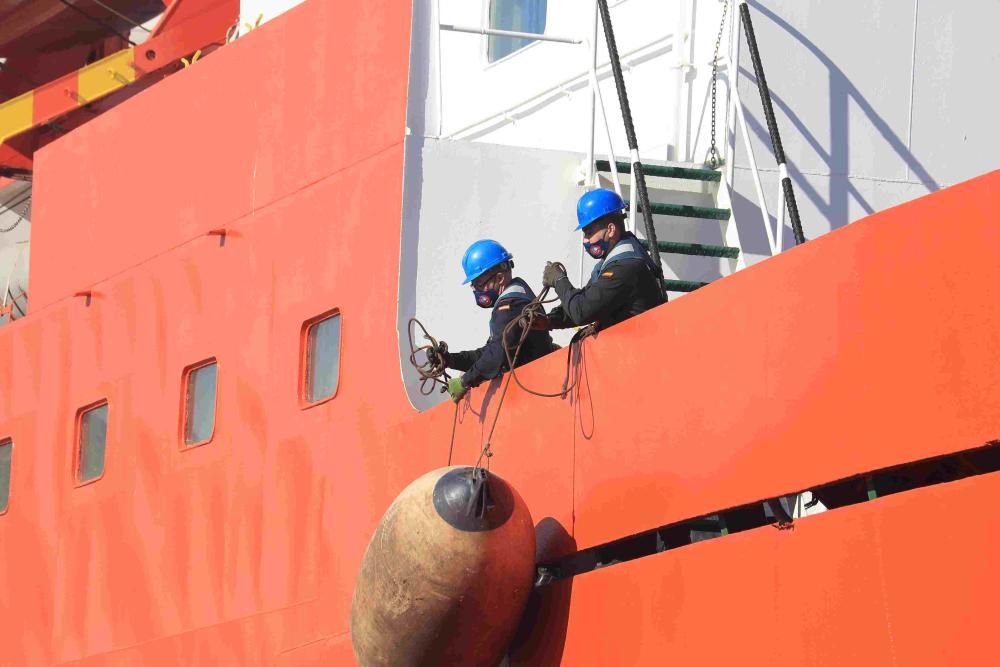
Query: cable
98	21
120	15
772	124
633	143
525	319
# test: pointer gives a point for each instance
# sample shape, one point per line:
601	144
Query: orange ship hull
873	346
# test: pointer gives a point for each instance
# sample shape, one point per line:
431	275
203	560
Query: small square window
6	453
322	358
93	429
517	16
200	382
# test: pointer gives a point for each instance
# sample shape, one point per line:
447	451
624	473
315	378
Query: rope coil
433	369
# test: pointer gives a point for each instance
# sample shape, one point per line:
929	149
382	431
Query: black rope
772	124
633	144
525	319
98	21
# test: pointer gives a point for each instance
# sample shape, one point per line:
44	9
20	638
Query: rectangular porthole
200	387
321	349
92	425
6	454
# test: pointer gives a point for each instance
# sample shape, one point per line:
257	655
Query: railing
736	116
638	178
786	193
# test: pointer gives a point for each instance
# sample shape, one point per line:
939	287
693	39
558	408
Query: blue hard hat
596	204
481	257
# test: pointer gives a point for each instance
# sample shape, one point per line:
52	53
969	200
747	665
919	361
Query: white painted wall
877	104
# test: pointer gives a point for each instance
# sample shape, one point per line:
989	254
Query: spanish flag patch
504	307
607	274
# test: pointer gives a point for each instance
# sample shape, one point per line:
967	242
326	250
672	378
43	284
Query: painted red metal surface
186	26
904	580
871	346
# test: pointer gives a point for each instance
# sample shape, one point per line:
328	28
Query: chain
713	151
24	213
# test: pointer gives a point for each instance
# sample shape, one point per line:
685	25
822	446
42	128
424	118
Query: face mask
485	298
598	249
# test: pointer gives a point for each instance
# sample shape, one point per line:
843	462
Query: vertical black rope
633	144
772	124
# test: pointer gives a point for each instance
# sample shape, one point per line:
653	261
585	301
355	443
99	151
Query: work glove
553	273
438	354
457	388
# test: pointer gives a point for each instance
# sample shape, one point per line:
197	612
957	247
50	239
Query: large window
93	429
322	358
200	383
6	452
516	15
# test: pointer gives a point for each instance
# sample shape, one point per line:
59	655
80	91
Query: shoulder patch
506	306
607	274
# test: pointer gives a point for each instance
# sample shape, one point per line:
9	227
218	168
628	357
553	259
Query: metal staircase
695	232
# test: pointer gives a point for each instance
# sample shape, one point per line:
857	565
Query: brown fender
446	576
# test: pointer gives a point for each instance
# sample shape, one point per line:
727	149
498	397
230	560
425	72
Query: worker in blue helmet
488	268
624	283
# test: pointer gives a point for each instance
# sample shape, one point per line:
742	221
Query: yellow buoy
446	576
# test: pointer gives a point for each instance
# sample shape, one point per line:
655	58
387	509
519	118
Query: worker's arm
606	292
556	319
463	361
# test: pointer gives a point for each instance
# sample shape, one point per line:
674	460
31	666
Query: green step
700	249
690	173
682	285
686	211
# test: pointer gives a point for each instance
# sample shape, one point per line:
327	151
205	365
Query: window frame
304	402
4	442
78	444
487	7
185	380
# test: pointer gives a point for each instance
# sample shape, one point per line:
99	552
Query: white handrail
754	171
569	85
493	32
782	174
591	166
595	85
736	110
